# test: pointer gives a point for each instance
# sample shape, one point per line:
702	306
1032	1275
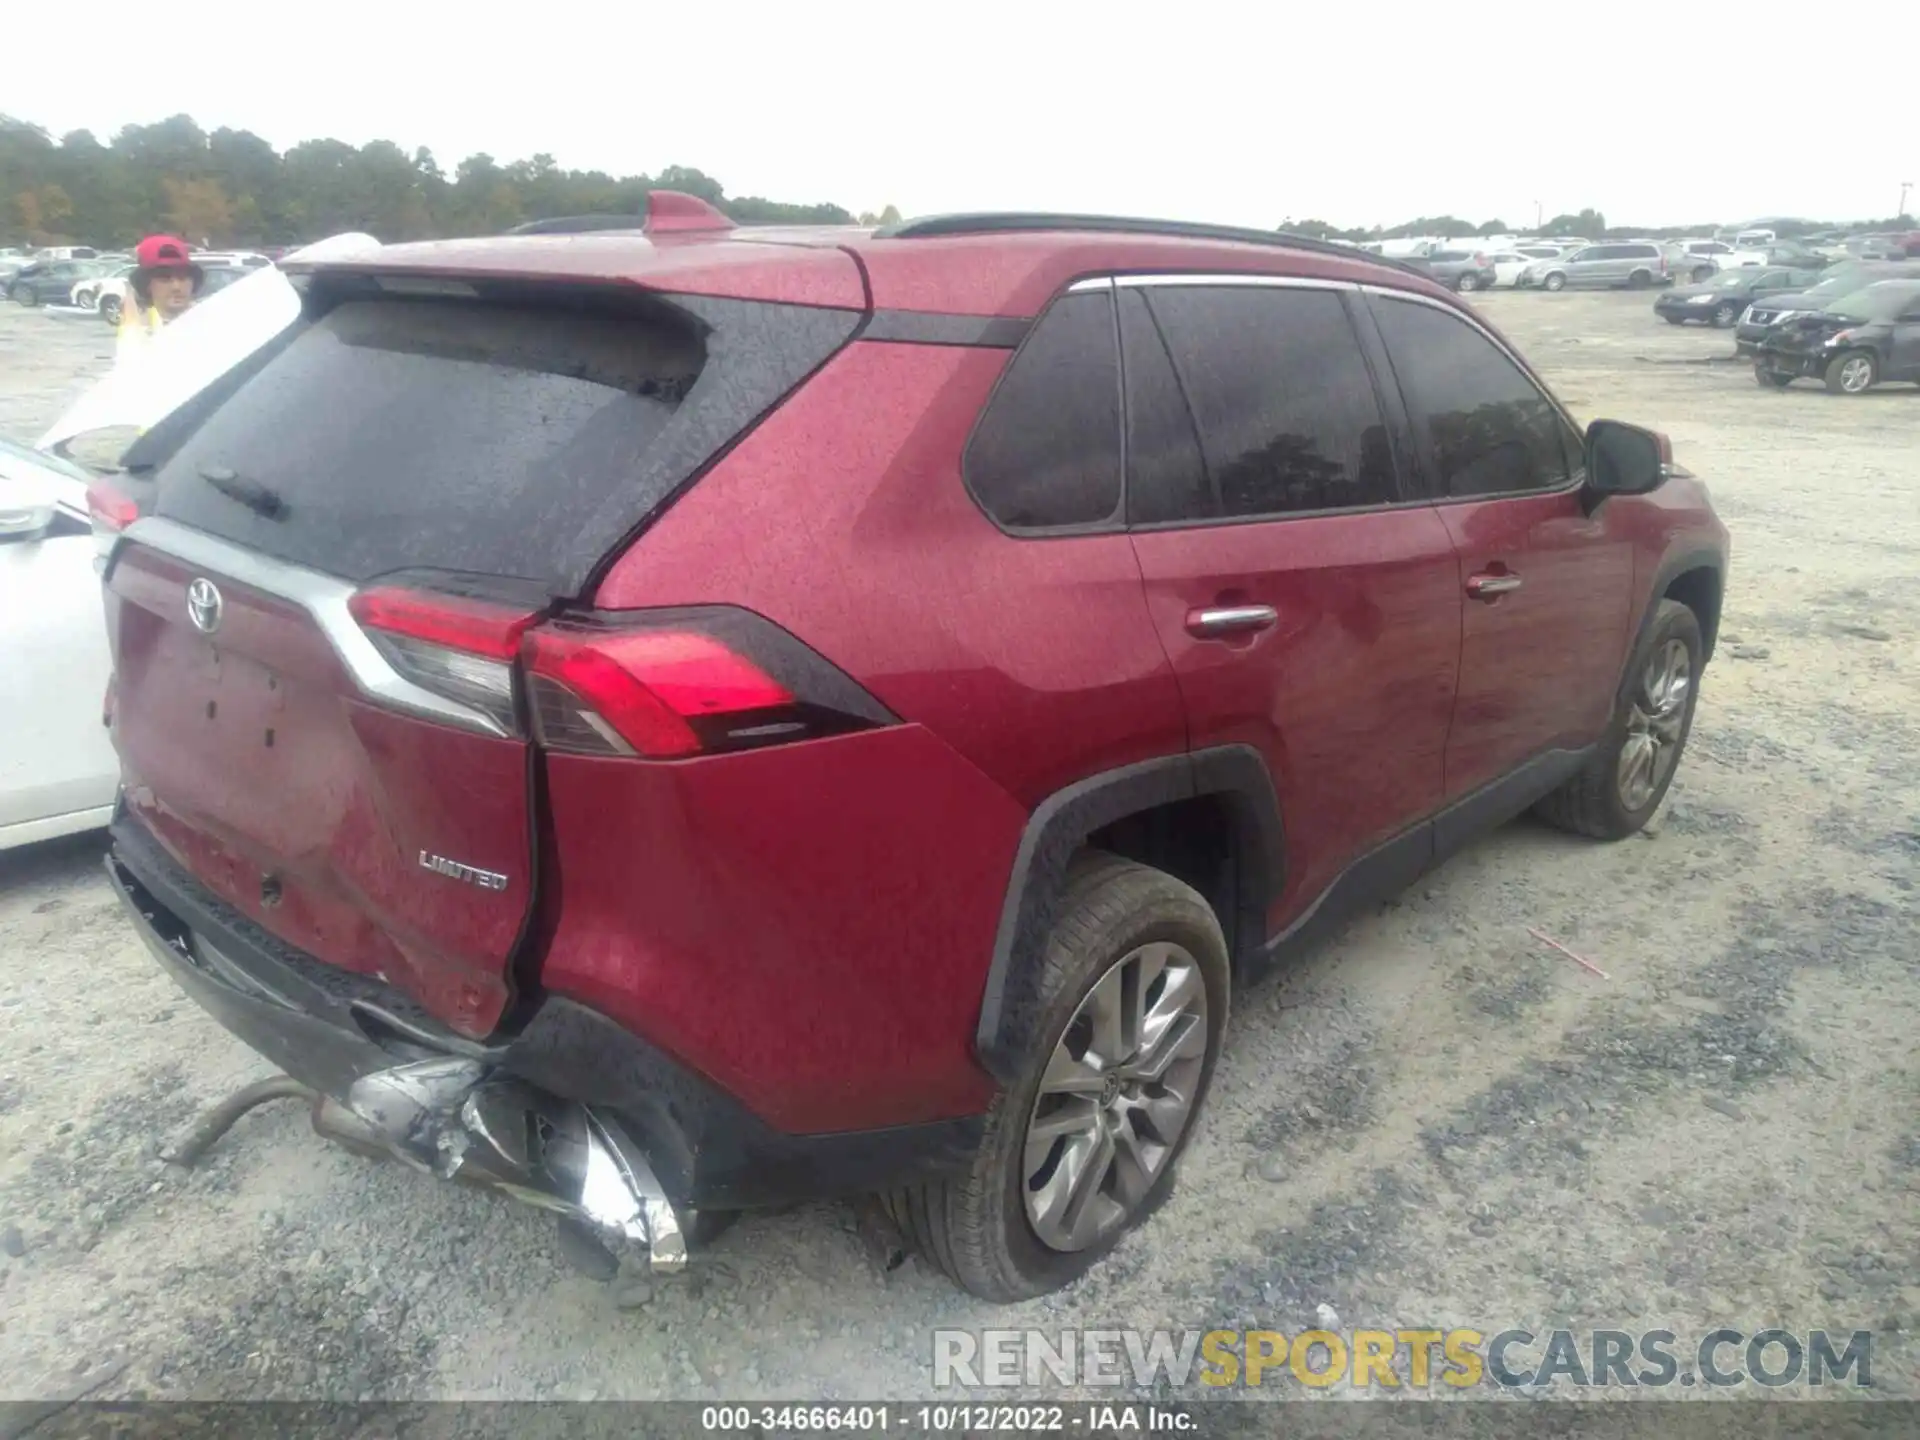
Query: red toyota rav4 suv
680	720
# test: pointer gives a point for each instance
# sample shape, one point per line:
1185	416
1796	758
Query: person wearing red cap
164	283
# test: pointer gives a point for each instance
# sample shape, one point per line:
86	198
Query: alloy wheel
1658	711
1856	374
1117	1094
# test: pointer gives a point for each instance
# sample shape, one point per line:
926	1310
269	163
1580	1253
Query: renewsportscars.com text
1409	1359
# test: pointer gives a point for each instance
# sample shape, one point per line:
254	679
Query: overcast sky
1356	113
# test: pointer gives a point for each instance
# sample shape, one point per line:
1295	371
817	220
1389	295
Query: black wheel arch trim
1057	829
1671	569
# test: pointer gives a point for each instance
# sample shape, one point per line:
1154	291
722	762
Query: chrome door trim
324	598
1211	278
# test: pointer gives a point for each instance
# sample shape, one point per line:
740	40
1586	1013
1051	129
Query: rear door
1547	586
318	712
1309	601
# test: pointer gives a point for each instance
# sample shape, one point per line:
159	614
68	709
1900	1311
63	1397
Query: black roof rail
990	222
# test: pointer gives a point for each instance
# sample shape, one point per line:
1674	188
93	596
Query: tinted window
1166	474
1047	452
1273	384
1488	428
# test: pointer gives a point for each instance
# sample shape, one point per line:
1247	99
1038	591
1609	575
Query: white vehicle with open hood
58	770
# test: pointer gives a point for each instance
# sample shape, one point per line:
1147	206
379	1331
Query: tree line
1589	224
230	187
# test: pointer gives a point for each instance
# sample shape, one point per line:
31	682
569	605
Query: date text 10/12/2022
952	1419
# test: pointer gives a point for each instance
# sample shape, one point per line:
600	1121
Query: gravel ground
1431	1120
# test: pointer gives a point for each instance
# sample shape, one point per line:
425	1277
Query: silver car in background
1611	264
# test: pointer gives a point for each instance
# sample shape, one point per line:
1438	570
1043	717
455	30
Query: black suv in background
1853	344
1841	279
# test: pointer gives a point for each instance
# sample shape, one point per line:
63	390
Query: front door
1903	351
1547	586
1308	598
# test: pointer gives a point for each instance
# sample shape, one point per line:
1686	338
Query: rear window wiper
262	500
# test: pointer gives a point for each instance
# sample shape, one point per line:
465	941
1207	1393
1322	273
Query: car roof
1001	264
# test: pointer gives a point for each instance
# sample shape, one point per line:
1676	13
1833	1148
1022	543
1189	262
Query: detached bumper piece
458	1117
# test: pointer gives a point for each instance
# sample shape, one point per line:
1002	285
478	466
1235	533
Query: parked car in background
1720	301
1797	256
1463	270
1879	247
114	292
86	293
48	254
1842	278
1854	343
1696	259
1636	265
50	282
397	819
58	772
1508	265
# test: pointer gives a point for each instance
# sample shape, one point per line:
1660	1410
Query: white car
86	293
58	771
1507	265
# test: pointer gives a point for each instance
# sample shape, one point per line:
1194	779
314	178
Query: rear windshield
512	440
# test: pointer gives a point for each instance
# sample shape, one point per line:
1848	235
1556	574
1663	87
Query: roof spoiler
669	212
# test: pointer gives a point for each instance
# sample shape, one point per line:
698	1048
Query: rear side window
1278	396
1487	428
521	438
1046	454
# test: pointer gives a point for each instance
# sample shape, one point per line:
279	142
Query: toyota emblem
204	605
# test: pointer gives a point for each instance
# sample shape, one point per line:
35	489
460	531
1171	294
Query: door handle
1218	620
1492	587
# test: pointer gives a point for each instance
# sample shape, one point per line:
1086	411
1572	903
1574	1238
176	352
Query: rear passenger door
1547	587
1309	600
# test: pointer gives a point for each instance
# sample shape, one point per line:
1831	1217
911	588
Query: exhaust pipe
455	1119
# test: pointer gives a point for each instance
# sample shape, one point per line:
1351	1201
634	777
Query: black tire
1555	281
27	296
1724	314
1466	282
1676	319
1838	369
1590	803
1640	280
1772	379
109	309
974	1225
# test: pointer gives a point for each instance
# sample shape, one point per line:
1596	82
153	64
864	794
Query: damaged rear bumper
570	1111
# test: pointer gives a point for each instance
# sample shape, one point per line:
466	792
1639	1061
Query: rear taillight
656	685
110	512
666	684
460	649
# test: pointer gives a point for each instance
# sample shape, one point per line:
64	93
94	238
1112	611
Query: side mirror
1624	459
23	521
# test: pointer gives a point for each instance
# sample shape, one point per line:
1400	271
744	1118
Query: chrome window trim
324	598
1211	278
